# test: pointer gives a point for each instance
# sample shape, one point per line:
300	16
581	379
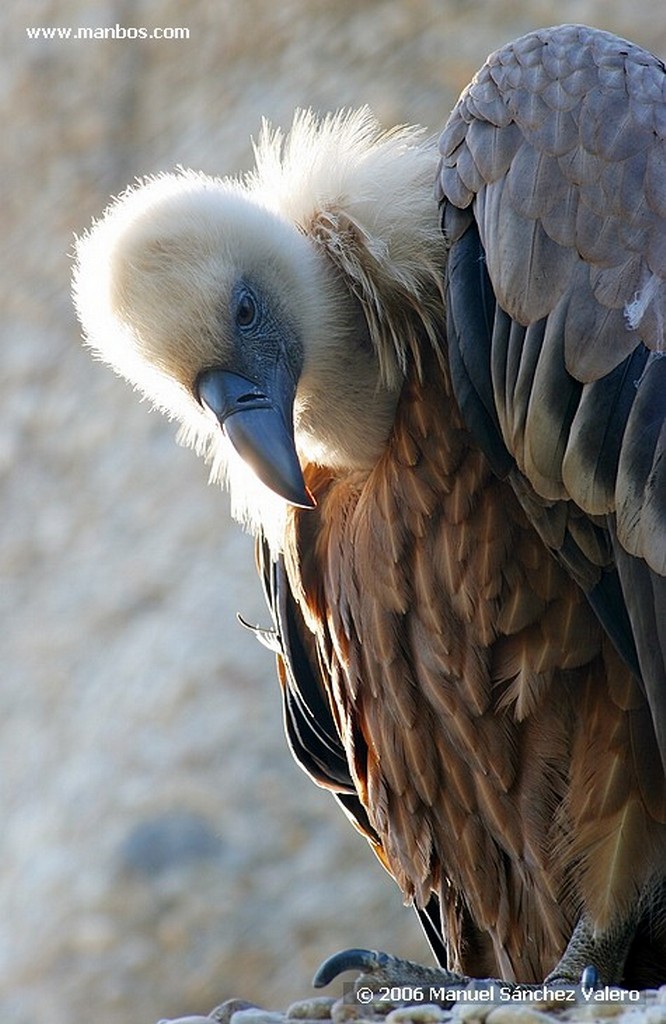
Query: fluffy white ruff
363	196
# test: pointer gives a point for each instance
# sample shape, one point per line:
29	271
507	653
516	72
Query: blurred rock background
159	851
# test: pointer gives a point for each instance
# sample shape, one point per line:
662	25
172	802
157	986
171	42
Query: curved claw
348	960
589	979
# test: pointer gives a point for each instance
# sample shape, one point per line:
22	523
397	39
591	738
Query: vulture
431	372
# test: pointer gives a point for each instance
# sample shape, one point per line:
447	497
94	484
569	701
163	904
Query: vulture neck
429	460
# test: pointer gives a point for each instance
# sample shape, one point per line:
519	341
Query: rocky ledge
482	1004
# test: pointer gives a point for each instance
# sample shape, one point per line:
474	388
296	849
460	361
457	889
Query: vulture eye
246	309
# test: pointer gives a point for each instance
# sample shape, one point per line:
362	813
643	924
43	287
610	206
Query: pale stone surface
160	851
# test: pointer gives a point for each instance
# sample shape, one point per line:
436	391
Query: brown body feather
486	717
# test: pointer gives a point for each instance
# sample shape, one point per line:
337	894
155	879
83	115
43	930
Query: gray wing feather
559	145
557	153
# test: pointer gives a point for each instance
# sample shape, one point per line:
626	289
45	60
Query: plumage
445	371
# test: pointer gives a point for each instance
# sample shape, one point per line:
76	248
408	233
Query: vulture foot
589	963
389	979
595	958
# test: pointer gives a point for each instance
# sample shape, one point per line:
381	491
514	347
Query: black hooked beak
259	426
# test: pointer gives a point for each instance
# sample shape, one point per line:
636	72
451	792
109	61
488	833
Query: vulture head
276	315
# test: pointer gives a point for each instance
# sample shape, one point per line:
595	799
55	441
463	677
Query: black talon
589	979
347	960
